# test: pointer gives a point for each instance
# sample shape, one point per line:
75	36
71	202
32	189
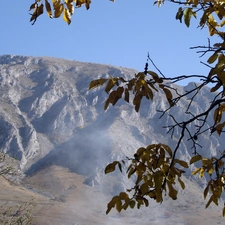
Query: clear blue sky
119	33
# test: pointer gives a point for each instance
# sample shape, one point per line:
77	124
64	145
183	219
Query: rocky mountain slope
49	119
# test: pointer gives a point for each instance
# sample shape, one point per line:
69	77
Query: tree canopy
156	167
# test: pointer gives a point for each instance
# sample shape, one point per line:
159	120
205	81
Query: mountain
60	134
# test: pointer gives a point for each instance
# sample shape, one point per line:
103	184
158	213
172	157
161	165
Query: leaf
195	158
132	204
106	104
119	205
87	4
144	188
206	191
33	6
168	149
120	167
202	171
126	96
209	202
172	191
168	96
56	3
187	16
48	8
155	76
179	14
110	167
96	83
58	10
182	163
224	211
212	58
196	171
216	87
217	115
112	203
110	85
37	12
146	202
67	16
70	6
181	183
123	195
219	128
137	101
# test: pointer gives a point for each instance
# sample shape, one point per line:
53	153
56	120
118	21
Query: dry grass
72	202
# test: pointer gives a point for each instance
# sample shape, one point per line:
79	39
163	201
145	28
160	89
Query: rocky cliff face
48	116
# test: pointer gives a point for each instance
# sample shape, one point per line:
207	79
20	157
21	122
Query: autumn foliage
156	168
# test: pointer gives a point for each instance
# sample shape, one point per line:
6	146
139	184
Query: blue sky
119	33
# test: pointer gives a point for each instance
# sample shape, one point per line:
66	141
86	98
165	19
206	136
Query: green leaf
195	158
187	16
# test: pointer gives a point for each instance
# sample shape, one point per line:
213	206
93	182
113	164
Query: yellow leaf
219	128
56	4
58	10
212	58
110	85
217	115
195	158
70	6
187	16
37	12
67	16
48	8
33	6
96	83
196	171
87	4
202	170
110	167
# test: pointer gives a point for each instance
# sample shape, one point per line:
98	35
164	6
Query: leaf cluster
155	173
142	85
57	8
